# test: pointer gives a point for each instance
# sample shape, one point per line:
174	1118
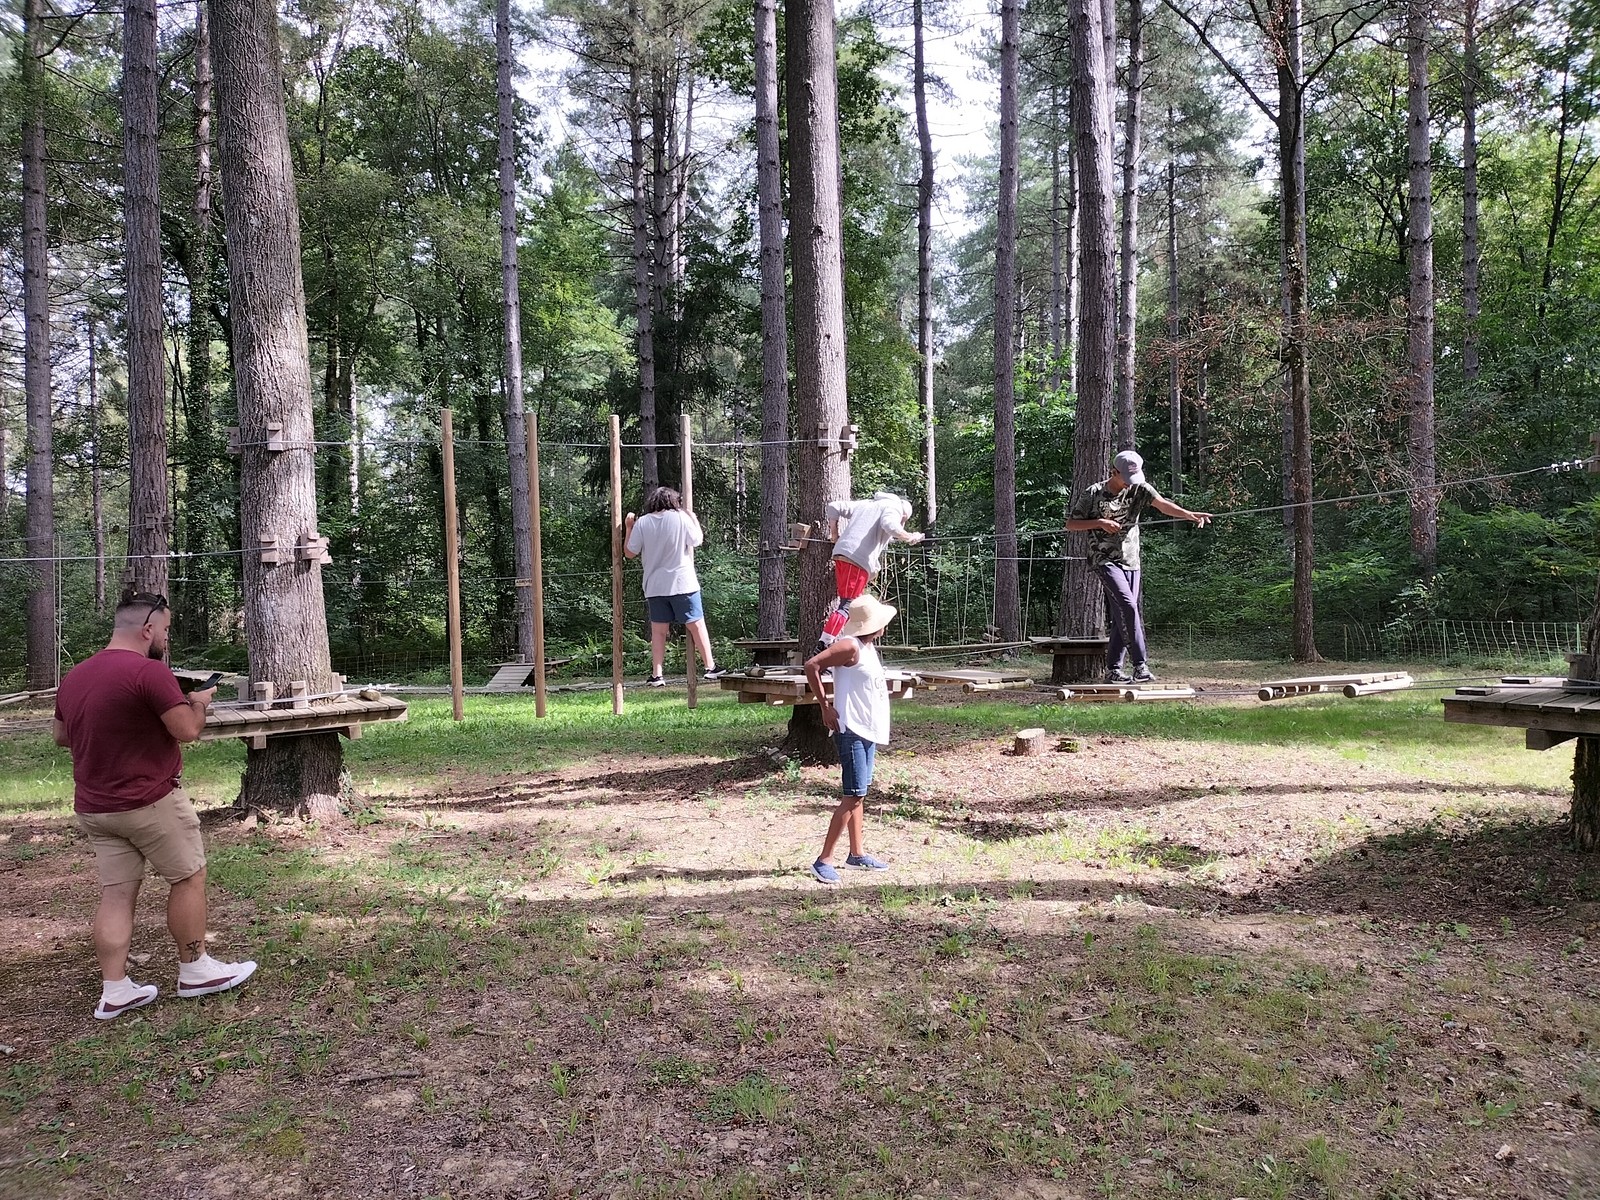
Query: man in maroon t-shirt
123	714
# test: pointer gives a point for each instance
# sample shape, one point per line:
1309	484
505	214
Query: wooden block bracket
273	441
312	548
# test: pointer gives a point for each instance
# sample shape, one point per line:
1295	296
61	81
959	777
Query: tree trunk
285	621
203	498
1419	306
1007	600
1174	395
772	610
1128	297
924	268
1586	794
1057	292
643	280
511	301
1297	331
149	515
919	85
97	512
1470	257
812	102
40	516
1083	604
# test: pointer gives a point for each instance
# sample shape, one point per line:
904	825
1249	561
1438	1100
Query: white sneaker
123	996
206	976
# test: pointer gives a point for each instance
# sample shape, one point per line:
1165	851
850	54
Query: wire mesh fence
1528	644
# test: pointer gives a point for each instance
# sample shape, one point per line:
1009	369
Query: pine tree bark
1174	317
149	512
919	86
1057	294
1420	301
1297	331
1128	293
97	512
43	670
1007	599
772	609
812	104
202	447
644	309
511	305
284	616
1083	603
1471	257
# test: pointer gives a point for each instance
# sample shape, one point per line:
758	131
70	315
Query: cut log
1028	742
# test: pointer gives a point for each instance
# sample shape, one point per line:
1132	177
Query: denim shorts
856	756
664	610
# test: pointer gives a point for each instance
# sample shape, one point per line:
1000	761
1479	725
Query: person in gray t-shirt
1109	512
665	538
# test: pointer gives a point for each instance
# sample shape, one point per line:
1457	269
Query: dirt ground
1137	968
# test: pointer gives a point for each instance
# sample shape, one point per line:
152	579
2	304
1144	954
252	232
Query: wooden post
452	563
536	561
688	504
616	564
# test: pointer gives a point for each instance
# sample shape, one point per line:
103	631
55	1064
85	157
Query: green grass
500	736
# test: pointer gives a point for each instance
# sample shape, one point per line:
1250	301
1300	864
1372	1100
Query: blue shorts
856	756
664	610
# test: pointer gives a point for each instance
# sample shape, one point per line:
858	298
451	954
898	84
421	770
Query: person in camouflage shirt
1109	512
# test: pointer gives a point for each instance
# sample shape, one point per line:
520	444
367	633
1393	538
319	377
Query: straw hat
868	616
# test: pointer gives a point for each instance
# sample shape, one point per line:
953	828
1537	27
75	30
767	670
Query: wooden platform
973	679
345	715
1090	693
513	676
787	685
1350	686
1550	715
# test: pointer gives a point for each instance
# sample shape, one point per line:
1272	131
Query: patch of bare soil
1139	969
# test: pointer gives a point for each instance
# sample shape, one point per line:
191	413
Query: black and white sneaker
655	681
715	673
1118	675
1143	674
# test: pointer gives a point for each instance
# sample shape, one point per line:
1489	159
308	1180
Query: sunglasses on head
156	603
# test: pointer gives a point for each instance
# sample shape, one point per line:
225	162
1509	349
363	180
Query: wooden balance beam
1126	692
1350	686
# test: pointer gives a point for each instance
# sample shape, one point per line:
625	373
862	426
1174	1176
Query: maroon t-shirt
122	755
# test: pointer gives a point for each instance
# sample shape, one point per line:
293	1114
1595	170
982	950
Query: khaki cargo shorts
165	834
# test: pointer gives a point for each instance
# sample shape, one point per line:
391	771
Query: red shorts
850	579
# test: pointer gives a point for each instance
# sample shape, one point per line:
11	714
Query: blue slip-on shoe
866	862
823	873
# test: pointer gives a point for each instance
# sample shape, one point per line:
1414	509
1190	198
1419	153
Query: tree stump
1028	742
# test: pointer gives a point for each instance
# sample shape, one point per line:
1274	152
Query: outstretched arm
1168	508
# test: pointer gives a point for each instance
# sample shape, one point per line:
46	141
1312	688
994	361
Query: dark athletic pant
1122	613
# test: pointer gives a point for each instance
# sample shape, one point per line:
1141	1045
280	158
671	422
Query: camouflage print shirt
1125	508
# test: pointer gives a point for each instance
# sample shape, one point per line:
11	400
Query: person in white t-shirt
664	539
859	718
